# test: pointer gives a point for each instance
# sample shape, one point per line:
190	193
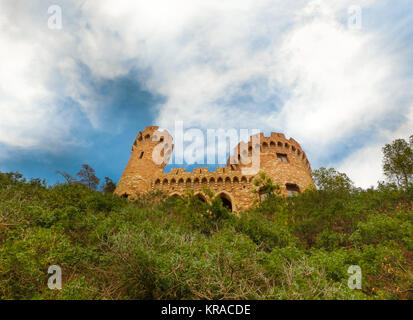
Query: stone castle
282	160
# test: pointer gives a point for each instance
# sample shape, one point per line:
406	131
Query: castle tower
151	151
281	159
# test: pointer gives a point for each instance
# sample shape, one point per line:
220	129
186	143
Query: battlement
274	143
177	171
273	137
283	160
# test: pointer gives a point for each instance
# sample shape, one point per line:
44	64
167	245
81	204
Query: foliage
67	176
331	180
88	177
264	187
160	247
108	185
398	162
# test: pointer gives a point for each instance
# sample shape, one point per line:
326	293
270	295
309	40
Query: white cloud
292	67
30	117
364	166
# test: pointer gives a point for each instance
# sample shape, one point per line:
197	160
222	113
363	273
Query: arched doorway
226	201
200	197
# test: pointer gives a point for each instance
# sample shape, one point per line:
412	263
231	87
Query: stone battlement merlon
176	171
152	133
211	177
201	171
274	137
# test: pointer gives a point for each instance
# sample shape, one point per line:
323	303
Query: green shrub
160	247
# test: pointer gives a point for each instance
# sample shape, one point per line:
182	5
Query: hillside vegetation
159	247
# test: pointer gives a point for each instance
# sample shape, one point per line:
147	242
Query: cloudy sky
80	93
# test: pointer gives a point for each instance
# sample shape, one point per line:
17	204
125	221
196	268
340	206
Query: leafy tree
264	186
108	186
332	180
67	176
88	177
398	162
12	177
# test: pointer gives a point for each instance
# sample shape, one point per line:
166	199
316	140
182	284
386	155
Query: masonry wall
142	175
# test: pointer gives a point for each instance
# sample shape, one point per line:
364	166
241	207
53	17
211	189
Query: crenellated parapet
275	143
283	160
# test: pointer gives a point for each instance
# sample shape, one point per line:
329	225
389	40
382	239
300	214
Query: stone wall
282	160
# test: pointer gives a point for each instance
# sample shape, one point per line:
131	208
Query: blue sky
81	93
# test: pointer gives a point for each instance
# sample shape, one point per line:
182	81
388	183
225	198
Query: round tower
283	160
150	153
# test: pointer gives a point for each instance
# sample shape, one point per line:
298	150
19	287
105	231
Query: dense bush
160	247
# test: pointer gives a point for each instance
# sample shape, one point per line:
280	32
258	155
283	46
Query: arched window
227	182
204	181
272	144
212	180
226	201
282	157
201	197
292	189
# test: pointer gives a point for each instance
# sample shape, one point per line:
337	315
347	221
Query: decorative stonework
282	160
